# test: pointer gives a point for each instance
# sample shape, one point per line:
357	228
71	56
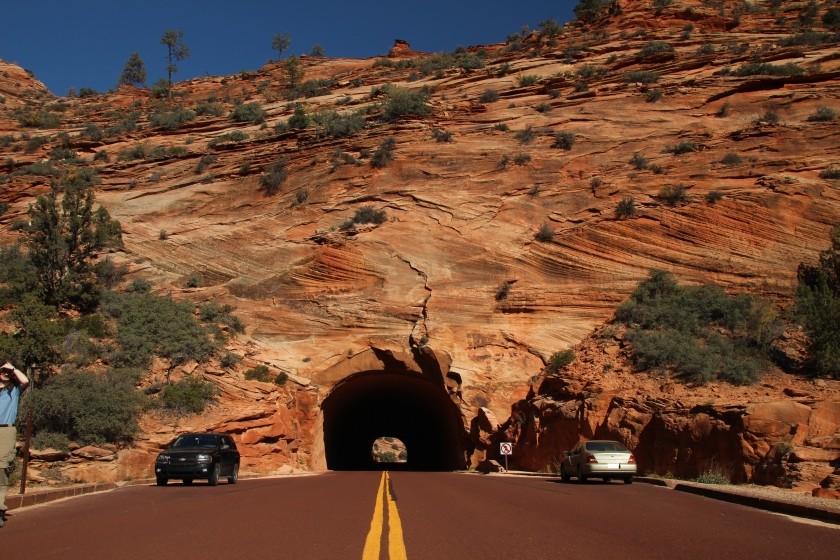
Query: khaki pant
8	436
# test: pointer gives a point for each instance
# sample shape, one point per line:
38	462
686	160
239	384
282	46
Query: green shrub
639	161
275	175
522	159
401	102
150	325
502	127
681	148
258	373
830	173
823	114
489	96
698	332
559	360
441	135
809	39
653	95
227	138
35	142
503	290
674	194
38	119
138	151
336	125
204	162
50	440
190	395
86	407
641	77
230	360
731	158
528	80
712	197
545	234
248	113
171	120
384	152
817	308
210	108
707	49
626	207
299	119
312	88
564	140
526	135
365	215
765	69
589	11
656	47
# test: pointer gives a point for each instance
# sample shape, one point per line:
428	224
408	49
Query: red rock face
541	135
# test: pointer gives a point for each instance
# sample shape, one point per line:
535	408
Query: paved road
434	516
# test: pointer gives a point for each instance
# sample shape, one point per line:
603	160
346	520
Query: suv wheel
234	476
214	476
161	481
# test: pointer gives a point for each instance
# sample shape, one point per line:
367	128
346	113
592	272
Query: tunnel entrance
406	406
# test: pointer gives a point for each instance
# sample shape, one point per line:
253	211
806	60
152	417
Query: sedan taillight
591	459
632	459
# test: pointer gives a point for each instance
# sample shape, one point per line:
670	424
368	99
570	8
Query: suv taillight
591	459
632	459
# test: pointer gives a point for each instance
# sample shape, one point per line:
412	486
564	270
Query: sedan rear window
606	446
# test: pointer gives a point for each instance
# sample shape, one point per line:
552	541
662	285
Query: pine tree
65	236
134	72
176	51
281	43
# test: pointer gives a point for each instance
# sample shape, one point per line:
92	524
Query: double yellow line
396	546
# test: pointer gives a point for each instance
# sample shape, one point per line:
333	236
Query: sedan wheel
214	476
234	476
580	476
566	477
628	479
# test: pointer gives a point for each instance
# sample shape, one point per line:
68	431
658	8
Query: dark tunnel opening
407	406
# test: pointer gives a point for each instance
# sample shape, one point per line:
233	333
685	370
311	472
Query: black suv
206	456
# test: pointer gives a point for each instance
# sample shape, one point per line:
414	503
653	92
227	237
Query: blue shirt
9	404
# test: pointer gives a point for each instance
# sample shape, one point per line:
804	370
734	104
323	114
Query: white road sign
506	448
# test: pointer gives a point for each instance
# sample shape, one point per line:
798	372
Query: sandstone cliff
543	134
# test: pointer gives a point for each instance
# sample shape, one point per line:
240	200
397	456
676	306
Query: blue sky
85	43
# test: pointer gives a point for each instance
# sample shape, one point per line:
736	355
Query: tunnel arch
405	405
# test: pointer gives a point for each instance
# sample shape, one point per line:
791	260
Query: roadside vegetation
85	337
698	333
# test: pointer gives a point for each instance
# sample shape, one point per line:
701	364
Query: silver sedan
603	459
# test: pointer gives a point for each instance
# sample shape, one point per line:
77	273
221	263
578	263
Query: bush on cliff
817	308
86	407
699	333
150	325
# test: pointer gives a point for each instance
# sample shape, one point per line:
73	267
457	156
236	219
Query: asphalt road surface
396	515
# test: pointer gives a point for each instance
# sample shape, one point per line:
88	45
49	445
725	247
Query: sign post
506	448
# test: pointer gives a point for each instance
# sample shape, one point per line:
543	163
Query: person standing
12	384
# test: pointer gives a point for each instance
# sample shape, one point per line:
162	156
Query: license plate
612	466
